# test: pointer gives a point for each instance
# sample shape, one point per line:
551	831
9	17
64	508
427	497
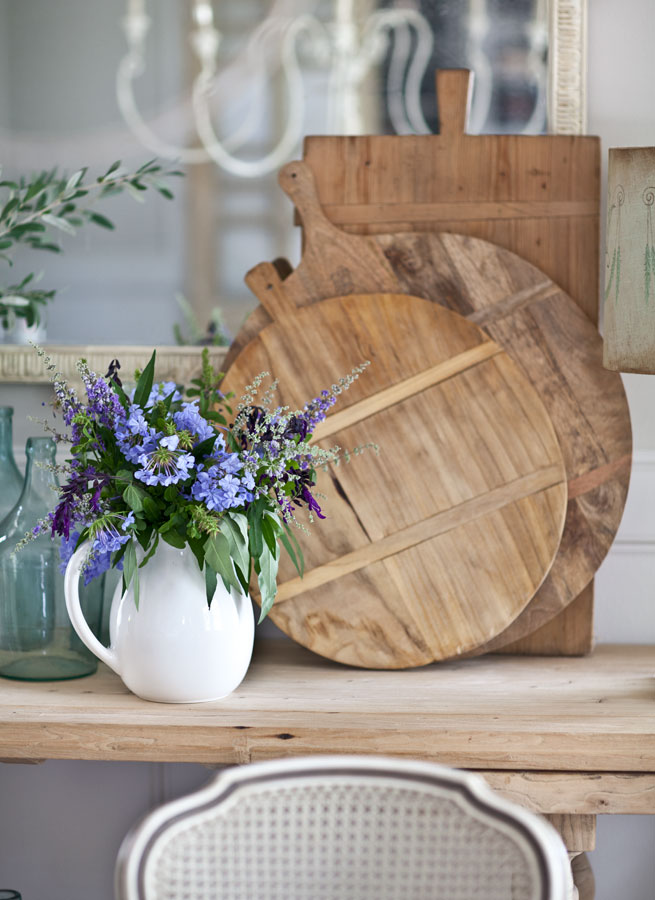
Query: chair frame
469	790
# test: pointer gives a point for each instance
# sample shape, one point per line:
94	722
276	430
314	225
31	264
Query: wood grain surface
537	196
434	546
540	327
576	735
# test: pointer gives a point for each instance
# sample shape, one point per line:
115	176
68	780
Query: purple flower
305	496
166	464
103	404
316	410
77	498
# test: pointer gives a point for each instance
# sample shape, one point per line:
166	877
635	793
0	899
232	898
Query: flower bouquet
162	467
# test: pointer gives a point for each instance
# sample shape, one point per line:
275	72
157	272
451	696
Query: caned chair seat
343	828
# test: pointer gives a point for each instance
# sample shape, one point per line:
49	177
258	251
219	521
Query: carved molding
21	365
567	49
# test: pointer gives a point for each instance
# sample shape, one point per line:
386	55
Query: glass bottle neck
6	449
40	478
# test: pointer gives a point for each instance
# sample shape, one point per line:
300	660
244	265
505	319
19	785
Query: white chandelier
349	52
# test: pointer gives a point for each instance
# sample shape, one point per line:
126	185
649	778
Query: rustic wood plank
406	388
557	793
578	831
566	717
583	877
469	497
452	168
558	348
392	215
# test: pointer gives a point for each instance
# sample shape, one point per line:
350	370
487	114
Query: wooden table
566	737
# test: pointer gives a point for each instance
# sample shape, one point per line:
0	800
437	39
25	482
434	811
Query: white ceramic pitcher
173	648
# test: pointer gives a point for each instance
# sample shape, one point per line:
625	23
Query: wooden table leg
583	877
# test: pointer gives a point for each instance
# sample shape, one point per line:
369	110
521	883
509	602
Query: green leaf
144	384
290	544
18	231
132	496
174	539
33	190
255	513
210	584
269	533
204	448
58	222
73	181
129	570
217	554
235	528
110	171
267	579
150	552
6	243
198	550
122	396
9	207
103	221
171	493
150	507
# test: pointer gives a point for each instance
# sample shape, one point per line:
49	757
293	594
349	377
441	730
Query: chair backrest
342	828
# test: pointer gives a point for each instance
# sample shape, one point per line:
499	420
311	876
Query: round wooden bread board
434	546
556	345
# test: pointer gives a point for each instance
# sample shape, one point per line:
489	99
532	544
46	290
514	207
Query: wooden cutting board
542	329
537	196
436	545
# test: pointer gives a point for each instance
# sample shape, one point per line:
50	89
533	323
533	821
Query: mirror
170	269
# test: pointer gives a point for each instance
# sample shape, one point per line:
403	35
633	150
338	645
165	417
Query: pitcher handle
72	593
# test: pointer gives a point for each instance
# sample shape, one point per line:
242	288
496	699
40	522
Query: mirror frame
567	114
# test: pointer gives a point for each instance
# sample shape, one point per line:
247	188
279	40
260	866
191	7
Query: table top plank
587	714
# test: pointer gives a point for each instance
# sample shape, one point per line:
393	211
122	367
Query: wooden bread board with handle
434	546
538	196
540	327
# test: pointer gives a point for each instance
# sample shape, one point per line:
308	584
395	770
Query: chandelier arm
130	68
400	51
538	35
405	107
256	63
479	62
281	152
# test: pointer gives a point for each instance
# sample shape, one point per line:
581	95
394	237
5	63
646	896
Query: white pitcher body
173	648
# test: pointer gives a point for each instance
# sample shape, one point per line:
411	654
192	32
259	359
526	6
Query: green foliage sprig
32	209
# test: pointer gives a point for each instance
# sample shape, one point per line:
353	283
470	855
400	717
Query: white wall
621	111
61	823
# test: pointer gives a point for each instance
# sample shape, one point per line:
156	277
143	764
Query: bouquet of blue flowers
164	464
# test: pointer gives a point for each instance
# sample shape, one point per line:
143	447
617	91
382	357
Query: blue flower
161	391
189	419
166	464
136	437
106	536
224	485
97	563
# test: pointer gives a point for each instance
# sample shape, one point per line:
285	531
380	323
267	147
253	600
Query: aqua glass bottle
11	480
37	641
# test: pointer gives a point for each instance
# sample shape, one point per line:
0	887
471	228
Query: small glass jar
37	641
11	480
